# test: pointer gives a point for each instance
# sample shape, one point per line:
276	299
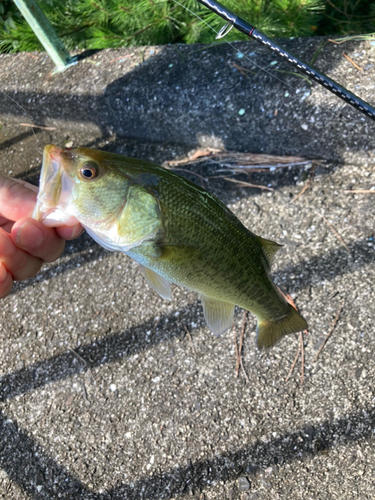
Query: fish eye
88	171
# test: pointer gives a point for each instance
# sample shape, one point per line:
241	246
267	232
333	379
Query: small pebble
243	484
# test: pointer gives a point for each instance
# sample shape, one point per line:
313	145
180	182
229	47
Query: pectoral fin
157	282
218	314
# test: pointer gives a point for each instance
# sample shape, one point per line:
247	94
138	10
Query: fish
175	230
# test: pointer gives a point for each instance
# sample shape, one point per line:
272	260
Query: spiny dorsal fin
269	248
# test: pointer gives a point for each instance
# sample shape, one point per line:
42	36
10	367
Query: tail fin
269	332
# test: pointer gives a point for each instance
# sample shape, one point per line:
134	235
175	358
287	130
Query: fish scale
175	230
237	253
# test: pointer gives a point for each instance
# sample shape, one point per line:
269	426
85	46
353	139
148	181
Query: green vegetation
98	24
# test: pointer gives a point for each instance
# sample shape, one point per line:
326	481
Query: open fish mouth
55	191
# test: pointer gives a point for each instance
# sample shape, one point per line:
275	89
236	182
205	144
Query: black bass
174	229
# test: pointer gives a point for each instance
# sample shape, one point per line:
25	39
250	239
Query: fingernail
77	230
3	273
29	236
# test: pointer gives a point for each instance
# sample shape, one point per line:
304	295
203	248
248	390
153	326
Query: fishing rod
244	27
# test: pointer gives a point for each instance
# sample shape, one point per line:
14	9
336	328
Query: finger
6	281
37	240
7	227
16	199
19	263
27	184
69	232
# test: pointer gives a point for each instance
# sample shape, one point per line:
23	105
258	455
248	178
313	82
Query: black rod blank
310	71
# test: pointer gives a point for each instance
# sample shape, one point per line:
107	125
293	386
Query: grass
98	24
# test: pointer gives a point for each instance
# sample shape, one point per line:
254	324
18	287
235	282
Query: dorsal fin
269	248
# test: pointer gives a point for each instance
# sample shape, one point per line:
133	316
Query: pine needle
100	24
360	191
330	331
333	230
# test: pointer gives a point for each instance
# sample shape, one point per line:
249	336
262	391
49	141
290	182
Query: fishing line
221	34
28	114
249	30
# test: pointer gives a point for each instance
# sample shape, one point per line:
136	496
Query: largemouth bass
174	229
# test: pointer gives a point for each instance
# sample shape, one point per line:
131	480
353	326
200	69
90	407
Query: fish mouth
55	190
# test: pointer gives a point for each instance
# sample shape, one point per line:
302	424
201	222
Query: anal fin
218	314
157	282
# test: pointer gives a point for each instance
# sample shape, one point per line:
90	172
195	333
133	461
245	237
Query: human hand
24	242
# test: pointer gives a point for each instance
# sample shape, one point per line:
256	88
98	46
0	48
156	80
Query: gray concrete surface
103	395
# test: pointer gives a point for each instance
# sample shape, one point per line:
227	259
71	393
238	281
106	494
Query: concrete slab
102	392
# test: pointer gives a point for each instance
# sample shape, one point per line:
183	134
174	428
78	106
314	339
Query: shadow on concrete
192	105
115	346
44	478
194	95
15	140
313	439
30	467
197	476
